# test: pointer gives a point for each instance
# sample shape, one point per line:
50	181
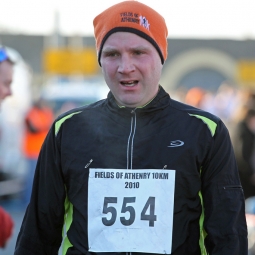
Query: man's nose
126	64
8	91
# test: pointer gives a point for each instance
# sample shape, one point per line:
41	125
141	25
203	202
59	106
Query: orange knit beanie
133	17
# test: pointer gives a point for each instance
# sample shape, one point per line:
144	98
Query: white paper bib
130	210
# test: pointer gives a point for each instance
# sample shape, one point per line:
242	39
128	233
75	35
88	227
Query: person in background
6	76
38	120
137	172
244	144
195	97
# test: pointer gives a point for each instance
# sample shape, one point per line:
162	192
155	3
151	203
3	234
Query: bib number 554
149	206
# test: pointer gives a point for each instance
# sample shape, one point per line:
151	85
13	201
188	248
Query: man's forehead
6	72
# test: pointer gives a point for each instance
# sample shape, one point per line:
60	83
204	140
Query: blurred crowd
236	107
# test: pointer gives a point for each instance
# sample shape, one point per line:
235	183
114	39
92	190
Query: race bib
130	210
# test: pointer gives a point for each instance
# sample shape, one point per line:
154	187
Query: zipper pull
133	111
89	163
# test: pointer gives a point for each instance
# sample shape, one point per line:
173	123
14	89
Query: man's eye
111	54
138	52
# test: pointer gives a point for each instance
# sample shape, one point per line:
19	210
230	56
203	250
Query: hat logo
144	22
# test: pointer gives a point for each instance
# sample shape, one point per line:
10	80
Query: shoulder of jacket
73	112
208	118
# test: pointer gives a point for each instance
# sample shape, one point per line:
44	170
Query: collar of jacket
161	101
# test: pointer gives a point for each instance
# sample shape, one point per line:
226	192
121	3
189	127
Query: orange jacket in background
38	122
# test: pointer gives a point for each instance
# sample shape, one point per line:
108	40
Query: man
38	120
6	74
244	145
137	172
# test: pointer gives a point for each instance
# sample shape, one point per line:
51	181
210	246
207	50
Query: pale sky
227	19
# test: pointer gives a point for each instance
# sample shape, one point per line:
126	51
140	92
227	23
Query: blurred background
211	65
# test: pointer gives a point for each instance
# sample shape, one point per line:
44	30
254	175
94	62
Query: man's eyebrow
109	49
140	47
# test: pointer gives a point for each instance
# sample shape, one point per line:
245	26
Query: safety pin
89	163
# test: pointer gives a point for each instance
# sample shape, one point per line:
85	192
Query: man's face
132	68
6	74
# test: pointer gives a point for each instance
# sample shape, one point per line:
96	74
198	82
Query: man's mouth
129	83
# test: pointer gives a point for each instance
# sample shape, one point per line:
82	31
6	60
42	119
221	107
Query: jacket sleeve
223	199
41	230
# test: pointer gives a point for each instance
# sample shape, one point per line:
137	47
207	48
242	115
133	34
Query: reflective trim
203	234
61	121
211	124
66	227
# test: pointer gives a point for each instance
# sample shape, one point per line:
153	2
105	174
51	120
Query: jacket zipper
130	145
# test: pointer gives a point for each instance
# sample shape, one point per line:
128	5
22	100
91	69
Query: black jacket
208	202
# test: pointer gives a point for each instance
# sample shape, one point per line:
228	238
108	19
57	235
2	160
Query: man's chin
129	100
